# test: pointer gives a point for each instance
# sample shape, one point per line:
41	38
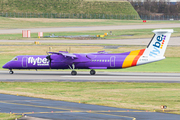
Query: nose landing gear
92	72
11	72
73	72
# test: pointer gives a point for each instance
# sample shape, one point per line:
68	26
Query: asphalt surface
56	110
47	76
174	41
65	29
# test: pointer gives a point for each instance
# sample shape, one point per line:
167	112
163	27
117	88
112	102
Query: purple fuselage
83	61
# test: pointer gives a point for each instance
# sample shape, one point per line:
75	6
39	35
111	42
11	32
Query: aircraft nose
5	66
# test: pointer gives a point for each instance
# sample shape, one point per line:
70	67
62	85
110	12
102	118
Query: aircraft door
112	61
24	62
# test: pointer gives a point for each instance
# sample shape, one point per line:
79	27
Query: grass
142	96
107	0
170	64
5	116
67	6
116	34
8	23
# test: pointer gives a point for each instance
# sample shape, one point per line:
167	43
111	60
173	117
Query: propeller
48	57
49	60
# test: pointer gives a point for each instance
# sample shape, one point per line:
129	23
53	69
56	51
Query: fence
162	17
69	16
88	16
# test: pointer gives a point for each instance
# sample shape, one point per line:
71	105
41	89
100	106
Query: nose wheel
11	72
92	72
73	72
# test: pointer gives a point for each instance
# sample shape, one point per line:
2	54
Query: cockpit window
15	59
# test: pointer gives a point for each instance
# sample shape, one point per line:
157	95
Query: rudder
158	44
156	47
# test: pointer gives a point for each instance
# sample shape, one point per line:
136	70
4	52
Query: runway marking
102	112
23	100
119	76
34	105
68	110
133	118
95	112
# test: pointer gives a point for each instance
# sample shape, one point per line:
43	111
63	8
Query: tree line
156	7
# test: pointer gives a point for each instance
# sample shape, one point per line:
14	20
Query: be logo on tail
158	44
160	41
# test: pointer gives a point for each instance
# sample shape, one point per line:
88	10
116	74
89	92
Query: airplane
100	60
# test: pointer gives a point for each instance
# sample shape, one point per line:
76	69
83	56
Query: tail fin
157	47
158	44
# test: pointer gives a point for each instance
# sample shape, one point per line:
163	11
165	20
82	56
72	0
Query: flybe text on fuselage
39	61
157	46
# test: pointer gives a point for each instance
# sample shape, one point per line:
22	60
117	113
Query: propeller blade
49	60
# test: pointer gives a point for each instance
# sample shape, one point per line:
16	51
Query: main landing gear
92	72
73	72
11	72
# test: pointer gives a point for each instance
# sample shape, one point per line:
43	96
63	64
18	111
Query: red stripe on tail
137	57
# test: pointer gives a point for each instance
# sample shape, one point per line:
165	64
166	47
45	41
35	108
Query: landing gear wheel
92	72
73	73
11	72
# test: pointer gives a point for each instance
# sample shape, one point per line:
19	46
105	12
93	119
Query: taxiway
174	41
47	76
58	110
92	28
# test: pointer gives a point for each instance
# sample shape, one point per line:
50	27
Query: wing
65	54
69	57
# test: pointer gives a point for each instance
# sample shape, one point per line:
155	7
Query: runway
92	28
48	76
174	41
58	110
